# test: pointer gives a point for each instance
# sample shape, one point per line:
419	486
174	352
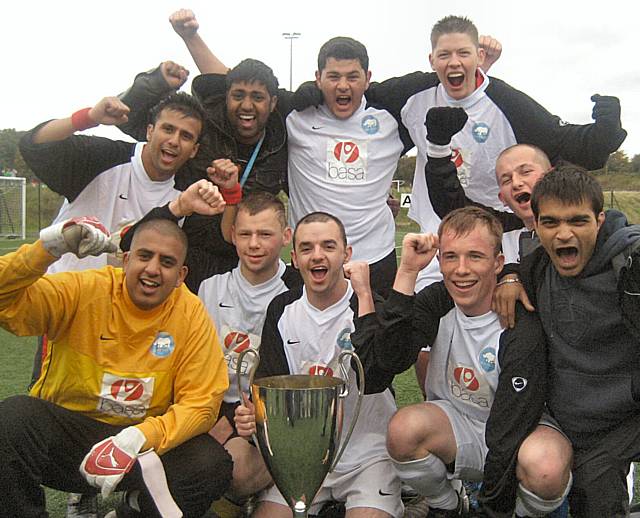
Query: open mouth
455	79
464	285
149	286
318	273
523	197
567	255
168	155
246	121
343	100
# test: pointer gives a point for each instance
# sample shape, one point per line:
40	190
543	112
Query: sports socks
530	504
428	476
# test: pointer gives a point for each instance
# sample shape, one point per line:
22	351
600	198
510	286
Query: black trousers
42	443
600	466
382	274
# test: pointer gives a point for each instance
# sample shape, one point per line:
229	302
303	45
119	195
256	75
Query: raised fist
175	75
81	236
184	23
606	111
443	123
110	111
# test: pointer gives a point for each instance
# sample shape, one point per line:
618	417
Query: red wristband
232	196
81	121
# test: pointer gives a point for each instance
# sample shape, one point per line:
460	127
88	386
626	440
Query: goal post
13	207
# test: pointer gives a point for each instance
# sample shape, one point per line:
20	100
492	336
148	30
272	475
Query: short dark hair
259	201
454	24
570	185
462	221
180	102
320	217
252	70
162	226
343	47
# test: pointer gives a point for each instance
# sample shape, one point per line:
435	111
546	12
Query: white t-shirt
463	365
238	310
118	196
345	168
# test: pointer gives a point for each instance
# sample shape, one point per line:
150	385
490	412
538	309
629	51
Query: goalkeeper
135	373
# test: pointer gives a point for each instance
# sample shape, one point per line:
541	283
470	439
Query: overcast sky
61	56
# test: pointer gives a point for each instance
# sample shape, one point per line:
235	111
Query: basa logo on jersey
346	161
320	370
125	396
127	390
237	341
466	377
346	152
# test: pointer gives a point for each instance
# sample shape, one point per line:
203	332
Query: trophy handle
345	392
251	373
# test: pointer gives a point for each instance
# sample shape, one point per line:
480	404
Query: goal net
13	203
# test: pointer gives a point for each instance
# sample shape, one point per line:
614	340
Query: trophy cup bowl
299	424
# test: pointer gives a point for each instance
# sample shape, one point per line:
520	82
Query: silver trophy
298	427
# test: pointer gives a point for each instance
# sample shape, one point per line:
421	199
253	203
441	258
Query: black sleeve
147	90
409	323
587	145
394	93
273	360
206	86
68	166
516	409
447	194
364	340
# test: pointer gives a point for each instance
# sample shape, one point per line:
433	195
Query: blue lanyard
247	169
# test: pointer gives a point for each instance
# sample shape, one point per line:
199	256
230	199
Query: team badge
163	345
480	132
344	339
370	124
487	359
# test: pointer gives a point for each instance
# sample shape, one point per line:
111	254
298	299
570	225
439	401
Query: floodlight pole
291	36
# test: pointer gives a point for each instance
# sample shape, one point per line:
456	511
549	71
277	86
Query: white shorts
375	485
471	448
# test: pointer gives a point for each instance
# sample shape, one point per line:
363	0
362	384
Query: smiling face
171	141
343	83
470	264
455	59
153	267
518	170
249	105
259	238
568	232
319	253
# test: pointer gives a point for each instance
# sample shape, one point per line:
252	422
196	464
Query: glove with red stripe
110	460
81	236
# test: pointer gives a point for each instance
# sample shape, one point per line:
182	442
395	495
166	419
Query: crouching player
473	362
132	369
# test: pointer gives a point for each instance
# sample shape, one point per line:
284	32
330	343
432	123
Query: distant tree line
10	158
